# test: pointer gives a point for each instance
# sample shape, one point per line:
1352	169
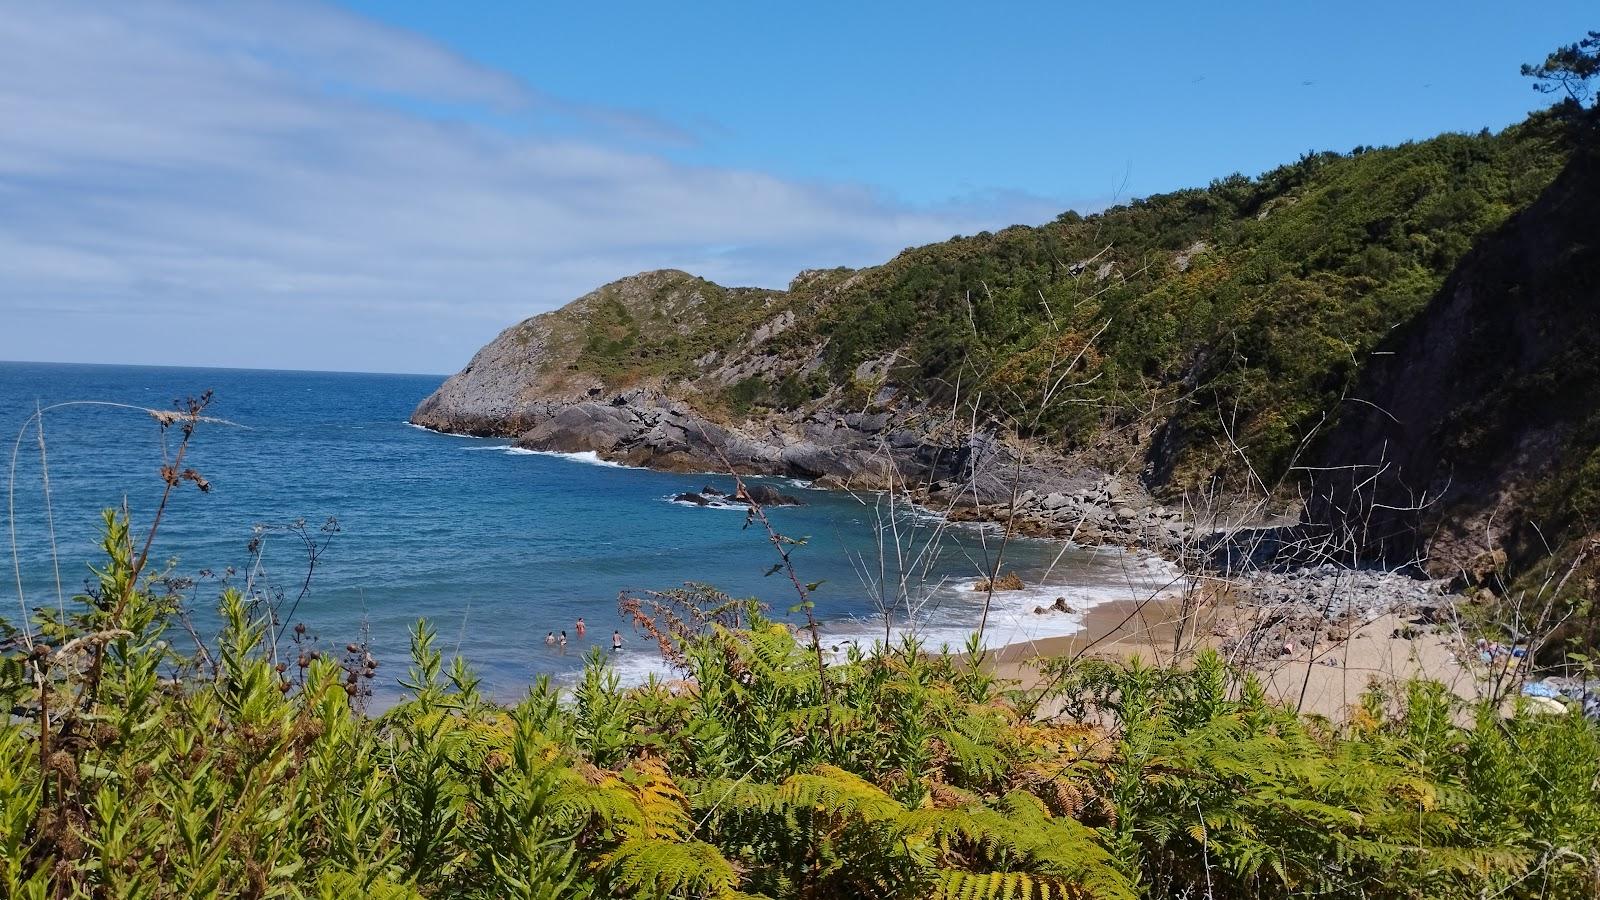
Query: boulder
696	499
1007	582
767	495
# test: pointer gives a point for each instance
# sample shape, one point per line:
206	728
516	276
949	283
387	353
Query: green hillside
1256	297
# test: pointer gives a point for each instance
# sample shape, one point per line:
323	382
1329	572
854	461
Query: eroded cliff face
1472	424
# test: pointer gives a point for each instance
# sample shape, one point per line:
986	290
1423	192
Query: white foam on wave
588	457
470	437
583	456
711	503
635	666
1012	619
954	615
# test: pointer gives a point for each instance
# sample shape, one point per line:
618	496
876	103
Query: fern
670	868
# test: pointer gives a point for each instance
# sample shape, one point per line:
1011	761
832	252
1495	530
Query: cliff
1472	440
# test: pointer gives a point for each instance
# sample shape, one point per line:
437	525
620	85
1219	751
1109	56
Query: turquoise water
495	546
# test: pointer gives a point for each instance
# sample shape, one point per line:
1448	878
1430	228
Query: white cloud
293	185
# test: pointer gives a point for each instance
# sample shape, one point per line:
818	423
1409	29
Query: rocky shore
1097	510
1284	613
975	478
645	428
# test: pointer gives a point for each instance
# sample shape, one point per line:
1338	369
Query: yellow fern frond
663	808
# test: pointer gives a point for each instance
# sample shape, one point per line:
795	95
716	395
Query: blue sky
933	100
383	186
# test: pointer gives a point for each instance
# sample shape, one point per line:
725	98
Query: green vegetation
129	769
624	339
1246	307
1257	297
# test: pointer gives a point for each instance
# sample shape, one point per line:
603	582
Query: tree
1569	69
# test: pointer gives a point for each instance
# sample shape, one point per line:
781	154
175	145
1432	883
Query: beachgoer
581	627
563	637
616	641
550	638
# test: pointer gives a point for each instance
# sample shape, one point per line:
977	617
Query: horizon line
106	365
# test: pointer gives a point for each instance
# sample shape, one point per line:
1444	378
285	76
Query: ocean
494	545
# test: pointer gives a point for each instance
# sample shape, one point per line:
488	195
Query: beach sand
1146	629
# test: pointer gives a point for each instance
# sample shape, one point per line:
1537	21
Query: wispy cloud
286	184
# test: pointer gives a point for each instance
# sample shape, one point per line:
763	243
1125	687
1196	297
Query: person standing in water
563	639
581	628
616	641
550	638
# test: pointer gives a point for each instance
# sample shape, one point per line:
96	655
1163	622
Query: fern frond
837	792
669	868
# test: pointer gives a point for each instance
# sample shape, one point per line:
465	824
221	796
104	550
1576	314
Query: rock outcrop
543	383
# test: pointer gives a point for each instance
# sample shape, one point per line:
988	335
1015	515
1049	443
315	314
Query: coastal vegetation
141	758
129	768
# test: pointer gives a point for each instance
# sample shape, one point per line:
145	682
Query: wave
470	437
583	456
956	608
711	502
588	457
634	667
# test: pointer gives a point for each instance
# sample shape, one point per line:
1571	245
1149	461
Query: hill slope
1200	338
1480	426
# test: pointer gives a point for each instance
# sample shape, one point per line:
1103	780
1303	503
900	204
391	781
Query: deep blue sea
495	546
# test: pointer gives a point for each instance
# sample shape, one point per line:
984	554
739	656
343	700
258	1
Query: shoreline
1326	681
1088	509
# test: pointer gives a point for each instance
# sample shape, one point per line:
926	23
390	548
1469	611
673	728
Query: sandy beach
1323	680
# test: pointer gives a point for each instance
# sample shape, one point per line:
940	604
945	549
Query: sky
383	186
